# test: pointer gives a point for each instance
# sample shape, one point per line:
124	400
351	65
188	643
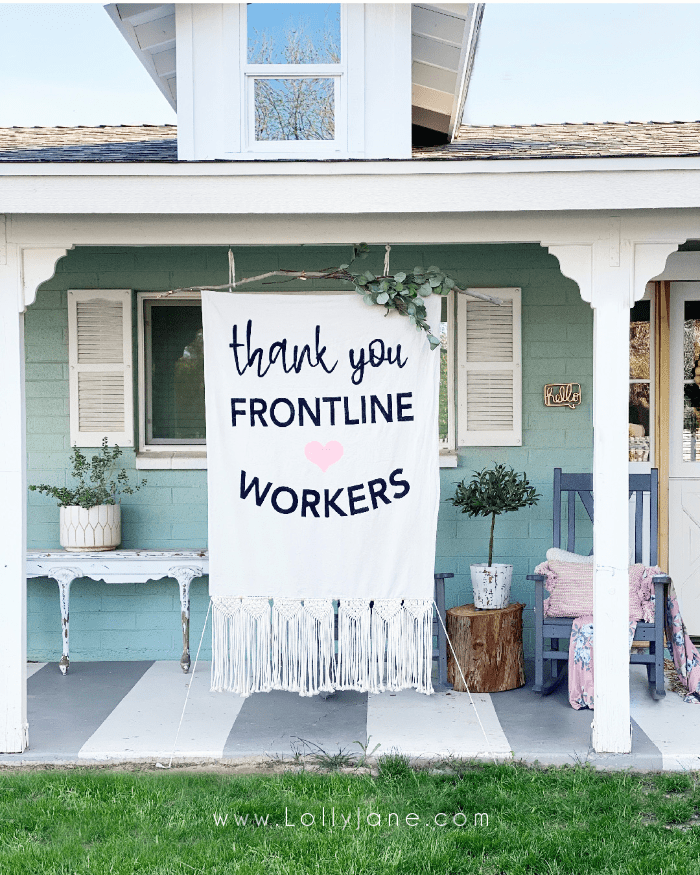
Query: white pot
92	528
491	585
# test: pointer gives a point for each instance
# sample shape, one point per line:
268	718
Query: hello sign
562	395
322	455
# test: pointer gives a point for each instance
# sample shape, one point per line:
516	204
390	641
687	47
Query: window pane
639	440
640	341
691	338
443	419
691	382
293	33
177	374
691	438
294	109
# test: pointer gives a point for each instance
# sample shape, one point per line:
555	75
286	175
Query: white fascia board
357	167
40	230
350	187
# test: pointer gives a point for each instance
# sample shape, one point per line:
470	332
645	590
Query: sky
66	64
578	62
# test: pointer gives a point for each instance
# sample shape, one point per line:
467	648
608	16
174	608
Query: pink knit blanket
685	655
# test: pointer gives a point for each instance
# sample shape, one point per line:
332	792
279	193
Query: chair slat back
571	485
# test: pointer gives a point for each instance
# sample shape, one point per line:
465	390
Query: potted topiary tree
90	514
492	492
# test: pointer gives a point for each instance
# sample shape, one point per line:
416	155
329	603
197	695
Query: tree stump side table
489	647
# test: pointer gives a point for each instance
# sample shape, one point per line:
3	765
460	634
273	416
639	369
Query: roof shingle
588	140
106	143
158	143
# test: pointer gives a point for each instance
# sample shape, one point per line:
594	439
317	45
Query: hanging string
386	260
189	687
466	685
231	269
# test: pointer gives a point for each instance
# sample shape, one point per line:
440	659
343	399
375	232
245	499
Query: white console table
120	566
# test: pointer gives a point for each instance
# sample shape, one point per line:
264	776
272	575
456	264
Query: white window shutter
489	355
99	356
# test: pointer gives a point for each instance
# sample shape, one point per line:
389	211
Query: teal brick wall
143	621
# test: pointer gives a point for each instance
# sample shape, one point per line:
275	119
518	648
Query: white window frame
159	455
348	92
496	438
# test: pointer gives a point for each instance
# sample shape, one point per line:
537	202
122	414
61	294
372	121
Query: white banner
322	457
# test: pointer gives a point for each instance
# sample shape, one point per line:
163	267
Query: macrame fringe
241	646
290	645
302	646
354	645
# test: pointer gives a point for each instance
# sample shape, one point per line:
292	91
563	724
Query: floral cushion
570	586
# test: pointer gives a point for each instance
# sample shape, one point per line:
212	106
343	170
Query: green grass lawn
490	819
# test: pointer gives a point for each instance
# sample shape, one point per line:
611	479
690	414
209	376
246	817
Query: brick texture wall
143	621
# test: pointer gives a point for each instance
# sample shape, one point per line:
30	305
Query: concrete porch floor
120	712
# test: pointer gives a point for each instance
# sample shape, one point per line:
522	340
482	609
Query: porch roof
158	143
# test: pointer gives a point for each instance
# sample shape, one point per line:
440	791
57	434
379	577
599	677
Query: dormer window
295	77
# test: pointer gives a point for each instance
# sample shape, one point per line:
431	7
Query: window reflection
691	381
640	382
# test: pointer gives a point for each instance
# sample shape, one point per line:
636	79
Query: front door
684	456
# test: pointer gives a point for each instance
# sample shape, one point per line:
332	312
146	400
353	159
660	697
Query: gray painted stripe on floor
64	711
271	723
548	729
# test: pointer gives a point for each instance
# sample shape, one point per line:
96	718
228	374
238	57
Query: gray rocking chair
552	629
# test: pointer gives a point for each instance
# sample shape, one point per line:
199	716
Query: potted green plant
490	493
90	514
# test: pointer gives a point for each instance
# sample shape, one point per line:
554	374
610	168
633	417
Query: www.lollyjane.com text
332	818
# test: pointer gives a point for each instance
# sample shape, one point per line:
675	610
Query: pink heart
324	457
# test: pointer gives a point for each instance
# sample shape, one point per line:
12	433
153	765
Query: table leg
64	577
184	576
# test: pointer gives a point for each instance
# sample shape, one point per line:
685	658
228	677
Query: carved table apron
120	566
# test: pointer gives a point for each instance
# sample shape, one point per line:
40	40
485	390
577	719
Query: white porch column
611	275
22	270
13	516
611	303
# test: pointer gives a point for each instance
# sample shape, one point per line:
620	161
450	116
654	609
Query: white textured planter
491	584
92	528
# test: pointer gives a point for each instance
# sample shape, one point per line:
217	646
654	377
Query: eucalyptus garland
403	292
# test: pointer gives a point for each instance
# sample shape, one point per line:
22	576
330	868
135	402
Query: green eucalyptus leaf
412	319
433	269
368	299
382	298
344	267
449	282
435	281
426	290
399	287
400	277
370	276
361	280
